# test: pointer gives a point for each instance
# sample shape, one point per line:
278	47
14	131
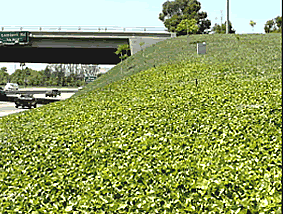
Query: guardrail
99	28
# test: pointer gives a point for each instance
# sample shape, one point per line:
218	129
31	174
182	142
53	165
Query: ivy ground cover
248	51
189	137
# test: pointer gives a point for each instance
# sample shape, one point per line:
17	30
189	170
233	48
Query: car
2	92
11	87
52	93
80	88
25	100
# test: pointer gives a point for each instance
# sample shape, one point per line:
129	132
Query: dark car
2	92
52	93
25	100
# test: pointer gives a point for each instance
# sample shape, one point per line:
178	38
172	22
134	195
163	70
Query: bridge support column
135	42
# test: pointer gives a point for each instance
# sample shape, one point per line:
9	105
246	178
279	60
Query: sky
129	13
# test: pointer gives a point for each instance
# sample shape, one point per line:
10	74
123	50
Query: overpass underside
74	47
60	55
64	51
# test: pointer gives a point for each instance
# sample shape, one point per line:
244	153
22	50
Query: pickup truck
25	100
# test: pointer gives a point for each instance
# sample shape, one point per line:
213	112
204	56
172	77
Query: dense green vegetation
273	25
248	52
46	77
199	134
174	12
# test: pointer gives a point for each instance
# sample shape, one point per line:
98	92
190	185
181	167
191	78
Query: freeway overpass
70	44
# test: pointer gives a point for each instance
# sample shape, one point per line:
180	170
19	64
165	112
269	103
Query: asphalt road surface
7	108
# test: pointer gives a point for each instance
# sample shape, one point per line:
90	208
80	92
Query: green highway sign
14	37
89	79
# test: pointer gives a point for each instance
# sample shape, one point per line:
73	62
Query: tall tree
222	29
46	75
278	21
273	25
269	26
4	76
173	12
35	78
26	73
17	77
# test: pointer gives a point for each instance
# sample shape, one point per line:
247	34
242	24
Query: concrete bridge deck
86	47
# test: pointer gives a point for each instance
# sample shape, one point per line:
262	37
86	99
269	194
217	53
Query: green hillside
245	51
194	134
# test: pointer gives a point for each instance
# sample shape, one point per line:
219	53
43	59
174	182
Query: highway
7	108
40	91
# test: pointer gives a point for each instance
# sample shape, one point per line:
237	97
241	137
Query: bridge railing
91	28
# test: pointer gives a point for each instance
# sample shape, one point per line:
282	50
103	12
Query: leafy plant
154	142
188	25
120	50
273	25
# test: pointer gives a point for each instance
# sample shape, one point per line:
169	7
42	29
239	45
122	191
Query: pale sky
125	13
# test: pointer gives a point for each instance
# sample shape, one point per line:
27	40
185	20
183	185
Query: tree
203	23
35	78
4	76
174	12
120	50
17	77
189	26
26	73
273	25
278	21
252	23
269	26
46	75
47	72
222	29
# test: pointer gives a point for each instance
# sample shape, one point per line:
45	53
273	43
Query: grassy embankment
245	51
156	141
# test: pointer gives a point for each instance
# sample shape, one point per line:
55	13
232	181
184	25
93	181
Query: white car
11	87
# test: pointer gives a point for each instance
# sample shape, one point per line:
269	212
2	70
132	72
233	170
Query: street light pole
227	22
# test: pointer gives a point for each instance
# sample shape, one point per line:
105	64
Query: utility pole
221	20
227	22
